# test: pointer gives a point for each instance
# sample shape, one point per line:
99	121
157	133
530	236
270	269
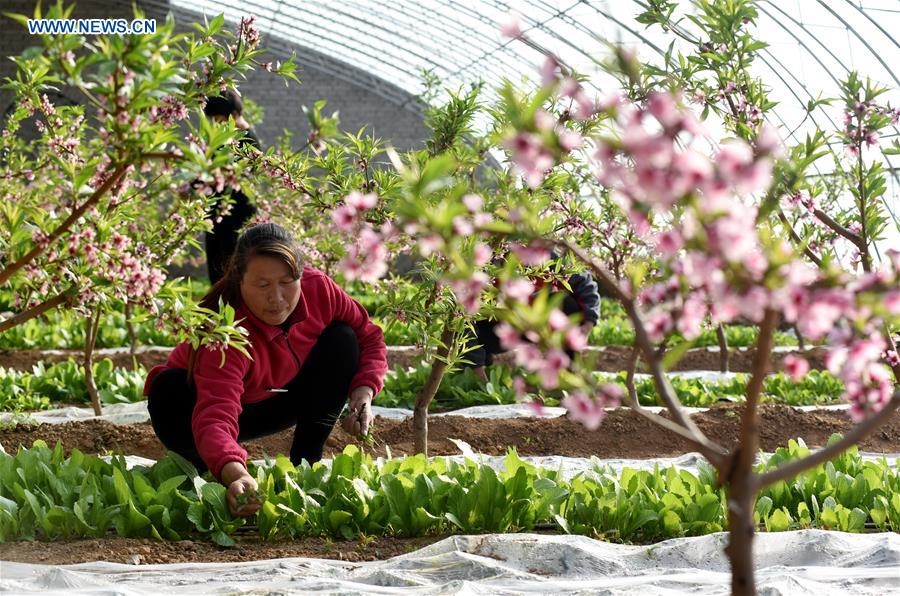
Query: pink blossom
555	362
533	254
544	120
430	244
468	291
361	202
529	356
512	27
659	323
734	236
733	158
473	202
570	140
344	216
462	226
549	71
530	157
768	142
753	303
519	290
668	243
576	339
892	358
519	387
692	314
536	406
662	107
481	254
795	367
482	219
583	409
558	320
892	302
824	308
509	338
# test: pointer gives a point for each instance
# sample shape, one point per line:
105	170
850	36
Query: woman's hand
235	476
360	416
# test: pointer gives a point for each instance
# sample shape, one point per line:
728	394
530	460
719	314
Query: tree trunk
740	481
723	348
132	336
629	375
801	344
427	393
740	534
90	338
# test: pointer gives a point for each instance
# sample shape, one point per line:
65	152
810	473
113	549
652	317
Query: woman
311	346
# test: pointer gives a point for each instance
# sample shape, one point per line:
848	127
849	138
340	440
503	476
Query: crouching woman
312	348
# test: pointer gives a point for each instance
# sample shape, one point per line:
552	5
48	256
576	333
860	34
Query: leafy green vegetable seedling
250	496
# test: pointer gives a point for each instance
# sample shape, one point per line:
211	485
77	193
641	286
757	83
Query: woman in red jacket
312	346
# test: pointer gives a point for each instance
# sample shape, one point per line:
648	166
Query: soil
623	434
608	358
142	551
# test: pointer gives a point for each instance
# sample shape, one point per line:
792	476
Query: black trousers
312	403
489	344
221	242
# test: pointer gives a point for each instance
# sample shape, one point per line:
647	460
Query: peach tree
114	187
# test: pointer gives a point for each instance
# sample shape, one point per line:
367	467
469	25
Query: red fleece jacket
277	358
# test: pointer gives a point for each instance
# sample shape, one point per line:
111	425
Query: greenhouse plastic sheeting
137	412
812	562
566	466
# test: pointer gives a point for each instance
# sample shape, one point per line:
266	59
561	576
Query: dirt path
623	434
608	358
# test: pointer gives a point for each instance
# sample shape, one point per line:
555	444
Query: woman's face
269	290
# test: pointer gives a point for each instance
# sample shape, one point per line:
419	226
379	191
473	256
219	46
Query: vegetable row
45	494
64	382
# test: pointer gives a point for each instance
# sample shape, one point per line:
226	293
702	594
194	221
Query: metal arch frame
317	60
893	169
862	40
387	48
424	11
283	31
493	58
874	22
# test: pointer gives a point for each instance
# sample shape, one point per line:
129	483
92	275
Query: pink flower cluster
169	112
868	383
468	290
366	258
535	149
858	125
590	412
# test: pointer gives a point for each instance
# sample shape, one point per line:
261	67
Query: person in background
582	297
221	241
312	346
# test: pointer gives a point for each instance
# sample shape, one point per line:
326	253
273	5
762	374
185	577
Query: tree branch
859	432
642	340
11	270
713	452
797	240
841	230
31	313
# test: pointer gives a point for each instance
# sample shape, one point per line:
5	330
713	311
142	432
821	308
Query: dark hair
224	104
267	239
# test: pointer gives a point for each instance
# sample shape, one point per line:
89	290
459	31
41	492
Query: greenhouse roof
813	45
